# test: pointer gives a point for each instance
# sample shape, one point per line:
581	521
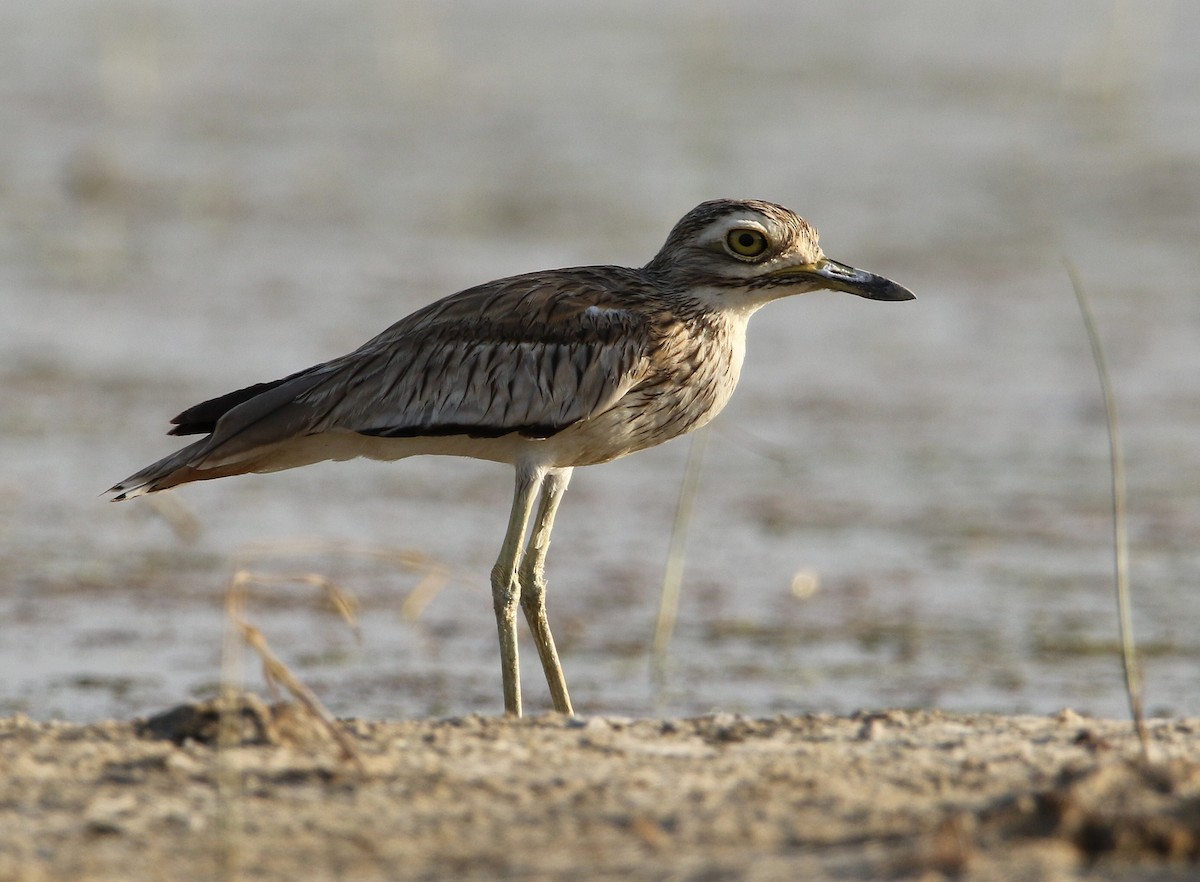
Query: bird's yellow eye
745	243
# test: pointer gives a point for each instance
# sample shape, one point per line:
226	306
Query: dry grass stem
178	516
435	575
668	608
1133	686
274	670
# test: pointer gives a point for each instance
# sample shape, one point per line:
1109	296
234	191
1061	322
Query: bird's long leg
533	586
506	586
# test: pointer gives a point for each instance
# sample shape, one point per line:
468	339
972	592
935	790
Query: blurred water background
905	504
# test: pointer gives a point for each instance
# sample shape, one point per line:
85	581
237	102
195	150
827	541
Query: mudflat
894	794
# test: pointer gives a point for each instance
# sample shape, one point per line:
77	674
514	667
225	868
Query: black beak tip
879	288
891	291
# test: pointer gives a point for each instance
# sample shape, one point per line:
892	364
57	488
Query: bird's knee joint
533	585
506	592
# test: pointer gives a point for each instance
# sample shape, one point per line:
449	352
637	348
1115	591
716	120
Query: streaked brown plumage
546	371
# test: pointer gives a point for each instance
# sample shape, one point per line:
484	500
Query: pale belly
633	425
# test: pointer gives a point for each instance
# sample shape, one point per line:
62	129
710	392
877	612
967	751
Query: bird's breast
691	372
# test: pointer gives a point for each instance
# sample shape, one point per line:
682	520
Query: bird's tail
170	471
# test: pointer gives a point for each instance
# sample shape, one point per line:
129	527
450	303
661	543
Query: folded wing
530	355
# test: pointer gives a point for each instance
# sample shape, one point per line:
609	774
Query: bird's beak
836	276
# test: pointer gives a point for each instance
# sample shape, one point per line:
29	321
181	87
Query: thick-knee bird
545	371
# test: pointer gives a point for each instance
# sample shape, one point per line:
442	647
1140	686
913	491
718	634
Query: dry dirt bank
889	795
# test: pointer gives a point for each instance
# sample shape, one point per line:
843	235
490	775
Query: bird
544	371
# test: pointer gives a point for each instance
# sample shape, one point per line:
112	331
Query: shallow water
200	196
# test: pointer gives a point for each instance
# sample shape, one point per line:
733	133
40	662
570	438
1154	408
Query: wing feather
530	355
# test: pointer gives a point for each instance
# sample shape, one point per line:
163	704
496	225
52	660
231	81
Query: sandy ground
882	795
202	194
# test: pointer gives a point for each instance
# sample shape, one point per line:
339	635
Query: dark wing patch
470	431
201	419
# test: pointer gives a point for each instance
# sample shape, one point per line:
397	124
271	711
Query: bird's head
759	248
